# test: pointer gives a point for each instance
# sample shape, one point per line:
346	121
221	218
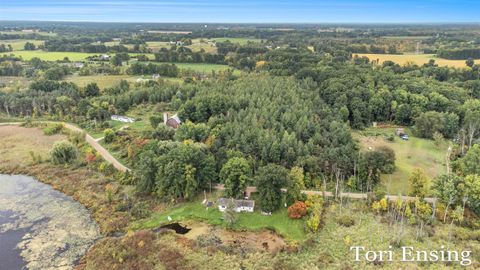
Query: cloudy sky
256	11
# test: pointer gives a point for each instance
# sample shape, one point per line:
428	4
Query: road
119	166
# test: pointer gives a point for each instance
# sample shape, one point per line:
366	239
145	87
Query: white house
122	118
240	205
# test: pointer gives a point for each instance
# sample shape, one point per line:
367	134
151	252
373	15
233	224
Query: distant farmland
418	59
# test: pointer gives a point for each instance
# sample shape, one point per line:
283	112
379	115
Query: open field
11	84
53	56
18	44
418	59
407	37
17	142
411	154
241	41
103	81
196	46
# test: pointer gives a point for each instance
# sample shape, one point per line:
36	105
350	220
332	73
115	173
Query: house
156	76
122	118
173	122
104	57
239	205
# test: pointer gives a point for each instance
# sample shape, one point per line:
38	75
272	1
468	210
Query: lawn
411	154
278	221
418	59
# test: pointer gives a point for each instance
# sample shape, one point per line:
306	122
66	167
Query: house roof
176	118
238	203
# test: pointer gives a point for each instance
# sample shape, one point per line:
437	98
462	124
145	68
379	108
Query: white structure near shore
123	119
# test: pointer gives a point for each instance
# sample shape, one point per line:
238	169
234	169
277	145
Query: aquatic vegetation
59	229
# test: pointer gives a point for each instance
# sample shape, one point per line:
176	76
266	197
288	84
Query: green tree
295	185
235	174
63	152
92	90
191	131
108	135
472	183
469	164
418	184
230	216
29	46
270	180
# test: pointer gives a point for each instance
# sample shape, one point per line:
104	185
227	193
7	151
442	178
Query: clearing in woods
411	154
418	59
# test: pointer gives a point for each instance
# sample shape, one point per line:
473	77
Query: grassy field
241	41
18	44
411	154
17	143
278	221
53	56
103	81
418	59
198	67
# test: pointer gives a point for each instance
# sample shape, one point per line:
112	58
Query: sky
244	11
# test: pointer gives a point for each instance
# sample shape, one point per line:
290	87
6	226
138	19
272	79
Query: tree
472	183
163	133
235	174
419	184
183	170
295	185
191	131
63	152
470	62
469	164
297	210
29	46
92	90
448	189
155	120
108	135
230	215
270	179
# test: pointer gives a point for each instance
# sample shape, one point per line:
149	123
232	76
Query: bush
297	210
63	152
108	135
346	221
53	129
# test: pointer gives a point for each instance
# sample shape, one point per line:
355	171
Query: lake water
41	228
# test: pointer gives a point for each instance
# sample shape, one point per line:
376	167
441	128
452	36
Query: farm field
198	67
411	154
418	59
18	44
53	56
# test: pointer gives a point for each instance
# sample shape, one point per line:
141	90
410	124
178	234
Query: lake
41	228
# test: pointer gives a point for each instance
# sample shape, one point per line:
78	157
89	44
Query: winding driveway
119	166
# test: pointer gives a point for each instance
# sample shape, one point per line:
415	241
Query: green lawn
198	67
103	81
411	154
278	221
